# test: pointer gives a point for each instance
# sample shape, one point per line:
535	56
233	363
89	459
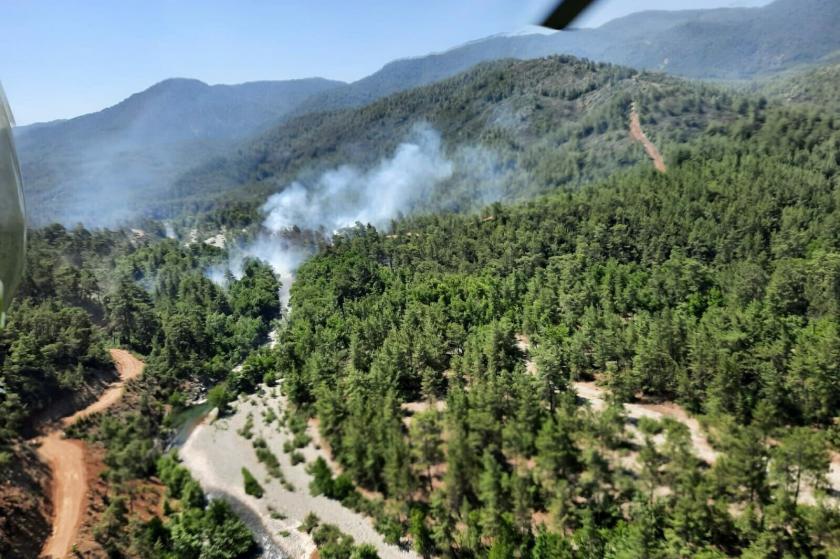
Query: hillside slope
540	124
714	285
815	86
728	43
131	151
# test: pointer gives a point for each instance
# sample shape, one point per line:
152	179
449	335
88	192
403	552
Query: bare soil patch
68	463
639	135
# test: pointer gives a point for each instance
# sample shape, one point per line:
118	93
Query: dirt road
596	395
66	459
638	134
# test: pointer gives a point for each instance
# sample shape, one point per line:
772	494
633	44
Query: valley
555	296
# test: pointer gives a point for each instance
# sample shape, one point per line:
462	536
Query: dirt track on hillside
639	135
703	449
596	396
66	459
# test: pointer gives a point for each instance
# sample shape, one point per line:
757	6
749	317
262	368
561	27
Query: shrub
310	522
220	397
364	551
252	486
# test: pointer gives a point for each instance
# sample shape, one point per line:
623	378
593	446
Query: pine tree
492	493
425	440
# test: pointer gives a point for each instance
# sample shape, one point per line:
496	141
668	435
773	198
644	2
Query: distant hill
815	86
728	43
129	153
724	43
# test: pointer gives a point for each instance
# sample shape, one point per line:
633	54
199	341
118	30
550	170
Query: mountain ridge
70	165
632	41
133	150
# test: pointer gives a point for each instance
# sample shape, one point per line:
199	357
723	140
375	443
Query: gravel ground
215	454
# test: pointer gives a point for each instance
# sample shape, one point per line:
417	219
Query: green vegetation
333	543
309	523
714	285
84	291
269	460
247	430
252	486
51	345
339	488
199	529
814	87
548	123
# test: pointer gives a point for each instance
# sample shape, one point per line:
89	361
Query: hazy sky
62	58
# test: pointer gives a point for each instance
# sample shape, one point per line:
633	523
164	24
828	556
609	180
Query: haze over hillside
539	124
133	153
129	153
723	43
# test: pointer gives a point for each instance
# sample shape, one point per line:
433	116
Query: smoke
283	255
344	196
103	180
418	171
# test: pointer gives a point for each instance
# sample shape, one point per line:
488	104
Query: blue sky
63	58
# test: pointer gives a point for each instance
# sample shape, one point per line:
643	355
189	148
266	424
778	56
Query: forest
87	290
440	355
715	286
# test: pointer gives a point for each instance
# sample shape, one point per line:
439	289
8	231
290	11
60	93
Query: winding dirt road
596	396
639	135
66	459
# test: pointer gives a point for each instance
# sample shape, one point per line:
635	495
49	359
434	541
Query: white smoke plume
341	197
283	256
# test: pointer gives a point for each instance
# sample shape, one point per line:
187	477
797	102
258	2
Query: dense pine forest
84	291
714	285
441	356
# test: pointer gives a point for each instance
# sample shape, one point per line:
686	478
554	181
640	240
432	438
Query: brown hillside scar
66	459
638	134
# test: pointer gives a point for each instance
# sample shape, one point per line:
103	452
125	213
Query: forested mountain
727	43
436	363
106	167
714	285
545	123
99	167
815	86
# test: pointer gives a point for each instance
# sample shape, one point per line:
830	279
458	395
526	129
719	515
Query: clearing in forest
639	135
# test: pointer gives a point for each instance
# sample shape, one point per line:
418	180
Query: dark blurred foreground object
12	220
565	13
